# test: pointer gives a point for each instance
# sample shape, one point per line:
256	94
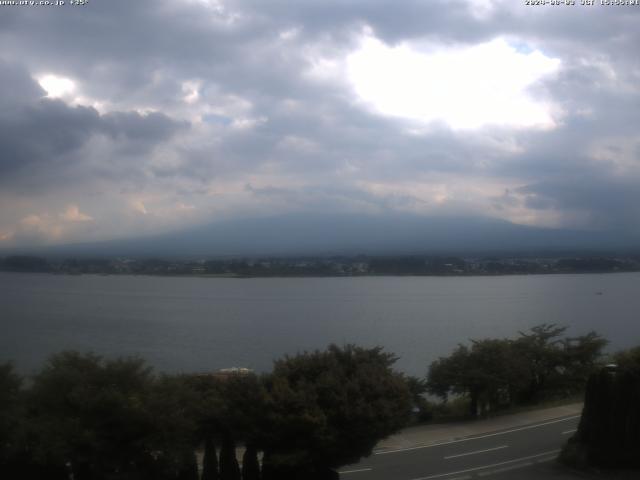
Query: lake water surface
200	324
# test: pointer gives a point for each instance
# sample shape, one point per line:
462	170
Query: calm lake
200	324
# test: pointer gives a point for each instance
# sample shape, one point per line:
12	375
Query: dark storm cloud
18	86
33	130
612	204
149	128
41	133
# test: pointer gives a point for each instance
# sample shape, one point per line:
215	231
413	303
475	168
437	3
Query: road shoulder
438	433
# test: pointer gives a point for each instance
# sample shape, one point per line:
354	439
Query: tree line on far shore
89	418
324	266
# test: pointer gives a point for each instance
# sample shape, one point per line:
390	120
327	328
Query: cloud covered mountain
322	234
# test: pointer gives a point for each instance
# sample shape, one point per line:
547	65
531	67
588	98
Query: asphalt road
498	454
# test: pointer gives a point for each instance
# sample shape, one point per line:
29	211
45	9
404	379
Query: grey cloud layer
38	134
251	60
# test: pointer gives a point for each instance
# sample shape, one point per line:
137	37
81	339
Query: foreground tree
495	373
231	412
250	464
89	414
210	461
609	430
11	419
557	366
229	468
327	409
488	373
174	406
421	407
582	357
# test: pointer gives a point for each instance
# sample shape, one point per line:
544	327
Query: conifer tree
250	465
229	468
210	461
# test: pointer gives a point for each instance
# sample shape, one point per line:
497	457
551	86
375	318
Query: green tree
242	413
330	408
628	361
541	350
188	466
489	374
243	419
174	405
609	431
250	464
417	388
11	418
229	468
582	356
210	461
447	375
495	373
231	409
557	367
209	418
91	414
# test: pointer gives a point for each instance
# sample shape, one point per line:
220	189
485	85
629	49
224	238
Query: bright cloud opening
467	88
139	207
56	86
73	214
191	91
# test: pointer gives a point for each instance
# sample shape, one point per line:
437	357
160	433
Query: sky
125	118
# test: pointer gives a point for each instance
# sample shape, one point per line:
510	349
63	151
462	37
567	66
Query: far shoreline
364	275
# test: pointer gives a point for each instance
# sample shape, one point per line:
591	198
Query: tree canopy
609	431
10	384
330	408
96	418
92	413
538	364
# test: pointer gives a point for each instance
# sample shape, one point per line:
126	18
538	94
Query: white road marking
356	471
484	467
386	452
544	460
476	452
505	469
567	432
